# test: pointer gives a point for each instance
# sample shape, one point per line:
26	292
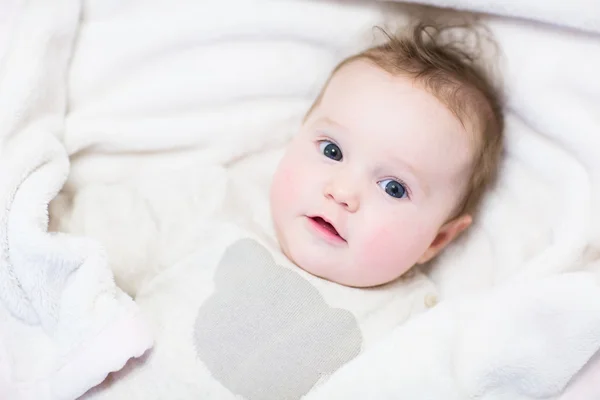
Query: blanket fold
577	14
520	341
59	307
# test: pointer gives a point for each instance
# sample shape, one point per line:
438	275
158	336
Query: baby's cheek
391	251
289	187
285	183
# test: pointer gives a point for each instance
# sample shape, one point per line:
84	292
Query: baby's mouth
327	227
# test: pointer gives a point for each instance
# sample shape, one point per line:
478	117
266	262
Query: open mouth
326	228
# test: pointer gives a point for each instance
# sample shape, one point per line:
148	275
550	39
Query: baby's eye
393	188
330	150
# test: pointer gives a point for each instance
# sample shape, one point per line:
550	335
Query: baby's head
390	163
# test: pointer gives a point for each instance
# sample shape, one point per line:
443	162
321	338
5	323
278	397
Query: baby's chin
338	275
341	279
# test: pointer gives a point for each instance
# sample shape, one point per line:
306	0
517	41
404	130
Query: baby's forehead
394	119
374	101
364	78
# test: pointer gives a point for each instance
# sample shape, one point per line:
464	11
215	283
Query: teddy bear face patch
266	333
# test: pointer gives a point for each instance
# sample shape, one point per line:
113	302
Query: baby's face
367	186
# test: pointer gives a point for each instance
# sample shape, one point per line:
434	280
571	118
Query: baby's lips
330	222
336	227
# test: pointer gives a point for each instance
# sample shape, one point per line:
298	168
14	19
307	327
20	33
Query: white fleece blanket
159	94
63	323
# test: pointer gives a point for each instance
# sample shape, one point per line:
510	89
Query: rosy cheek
390	251
387	249
288	184
285	183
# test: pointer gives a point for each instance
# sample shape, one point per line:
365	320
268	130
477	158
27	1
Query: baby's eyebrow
329	121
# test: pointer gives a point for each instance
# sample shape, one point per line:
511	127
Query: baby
387	169
390	162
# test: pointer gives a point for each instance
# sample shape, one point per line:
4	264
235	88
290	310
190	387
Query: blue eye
330	150
393	188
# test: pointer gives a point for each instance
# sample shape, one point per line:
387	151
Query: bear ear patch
266	333
245	259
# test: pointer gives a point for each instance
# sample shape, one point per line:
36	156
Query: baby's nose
344	193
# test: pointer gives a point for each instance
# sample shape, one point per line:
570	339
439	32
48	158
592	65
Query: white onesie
236	319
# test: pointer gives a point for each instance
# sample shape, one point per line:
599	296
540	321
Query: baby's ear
447	233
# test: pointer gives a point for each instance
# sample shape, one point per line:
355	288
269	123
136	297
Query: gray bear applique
266	333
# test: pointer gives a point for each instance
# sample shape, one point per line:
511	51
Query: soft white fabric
521	341
579	14
158	93
63	324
